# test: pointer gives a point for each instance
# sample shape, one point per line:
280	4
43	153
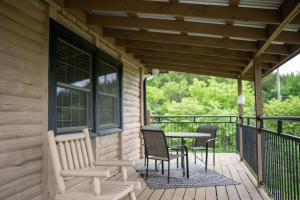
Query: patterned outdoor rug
198	177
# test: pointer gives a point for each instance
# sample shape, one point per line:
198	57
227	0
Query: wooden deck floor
227	164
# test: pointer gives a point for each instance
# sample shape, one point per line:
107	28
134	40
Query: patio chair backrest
155	142
212	130
70	152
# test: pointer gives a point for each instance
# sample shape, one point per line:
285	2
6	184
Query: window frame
58	31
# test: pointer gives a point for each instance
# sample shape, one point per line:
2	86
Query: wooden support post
142	110
240	108
258	111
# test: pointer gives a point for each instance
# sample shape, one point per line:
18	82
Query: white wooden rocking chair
72	156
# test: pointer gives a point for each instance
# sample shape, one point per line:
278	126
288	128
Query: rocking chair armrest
86	173
125	163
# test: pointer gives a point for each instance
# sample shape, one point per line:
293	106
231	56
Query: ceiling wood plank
191	63
191	70
192	40
197	63
184	48
181	26
179	9
181	39
187	56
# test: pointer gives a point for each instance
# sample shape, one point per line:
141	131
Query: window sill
105	132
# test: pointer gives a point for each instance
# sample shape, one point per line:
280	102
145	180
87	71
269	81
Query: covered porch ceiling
211	37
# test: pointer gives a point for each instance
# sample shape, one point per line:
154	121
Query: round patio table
183	136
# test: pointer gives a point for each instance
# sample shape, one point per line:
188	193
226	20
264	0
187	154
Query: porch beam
180	9
258	112
209	66
289	9
189	62
192	40
189	66
188	56
185	49
191	70
266	59
294	53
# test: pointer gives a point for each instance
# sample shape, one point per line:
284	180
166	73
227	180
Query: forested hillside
187	94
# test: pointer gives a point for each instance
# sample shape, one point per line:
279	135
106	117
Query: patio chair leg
162	167
195	154
168	171
183	167
206	157
155	165
187	164
147	168
177	161
214	159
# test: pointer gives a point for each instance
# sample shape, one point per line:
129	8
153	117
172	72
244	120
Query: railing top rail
277	118
282	118
180	116
249	117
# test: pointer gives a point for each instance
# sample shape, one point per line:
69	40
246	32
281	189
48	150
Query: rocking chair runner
72	157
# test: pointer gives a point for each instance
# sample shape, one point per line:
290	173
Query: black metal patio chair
156	148
202	144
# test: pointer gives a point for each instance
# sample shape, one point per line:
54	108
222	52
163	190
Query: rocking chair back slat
84	152
80	155
74	153
63	155
69	155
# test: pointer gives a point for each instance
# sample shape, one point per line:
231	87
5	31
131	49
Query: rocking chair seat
110	190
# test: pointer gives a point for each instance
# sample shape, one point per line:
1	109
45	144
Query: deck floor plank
200	193
221	190
156	195
250	186
241	189
210	193
178	194
168	194
189	194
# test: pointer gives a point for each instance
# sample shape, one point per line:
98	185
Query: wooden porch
227	164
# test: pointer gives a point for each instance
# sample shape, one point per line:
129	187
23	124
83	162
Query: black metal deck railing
226	127
280	154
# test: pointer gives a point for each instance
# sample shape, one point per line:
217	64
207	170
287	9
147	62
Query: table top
186	135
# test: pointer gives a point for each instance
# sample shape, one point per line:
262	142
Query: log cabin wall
23	104
24	35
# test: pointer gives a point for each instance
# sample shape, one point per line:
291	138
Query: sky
291	66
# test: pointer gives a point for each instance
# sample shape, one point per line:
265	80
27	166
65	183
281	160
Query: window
108	95
73	89
84	85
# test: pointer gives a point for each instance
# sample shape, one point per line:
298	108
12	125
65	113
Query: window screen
73	72
108	92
